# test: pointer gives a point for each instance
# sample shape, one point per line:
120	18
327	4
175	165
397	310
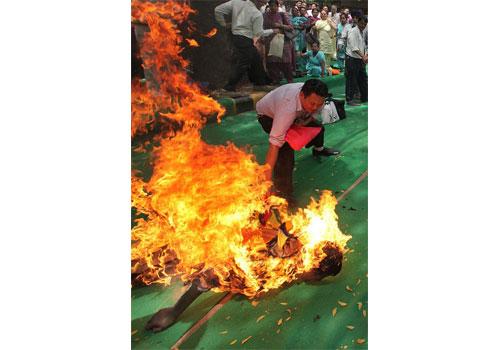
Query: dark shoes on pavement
326	152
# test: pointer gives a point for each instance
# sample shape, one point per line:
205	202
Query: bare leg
166	317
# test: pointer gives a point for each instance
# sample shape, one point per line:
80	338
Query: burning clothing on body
282	246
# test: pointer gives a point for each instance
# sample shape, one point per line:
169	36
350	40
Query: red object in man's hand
299	136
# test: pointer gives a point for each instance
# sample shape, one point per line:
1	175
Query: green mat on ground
147	300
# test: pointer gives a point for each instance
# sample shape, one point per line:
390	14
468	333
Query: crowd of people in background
300	38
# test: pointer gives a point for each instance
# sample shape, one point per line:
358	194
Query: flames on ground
202	201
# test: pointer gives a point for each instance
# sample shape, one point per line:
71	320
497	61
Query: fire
171	97
192	42
202	201
211	33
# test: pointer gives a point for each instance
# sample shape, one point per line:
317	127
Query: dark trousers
283	170
276	68
246	61
356	78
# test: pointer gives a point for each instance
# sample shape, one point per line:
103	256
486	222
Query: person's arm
364	57
332	23
282	121
258	28
322	68
287	25
271	157
221	10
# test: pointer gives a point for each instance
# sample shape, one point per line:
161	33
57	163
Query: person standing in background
334	14
299	25
313	7
281	6
348	15
340	43
246	24
356	60
284	63
326	31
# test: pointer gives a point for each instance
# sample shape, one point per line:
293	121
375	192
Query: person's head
343	18
303	11
314	6
334	9
260	3
295	11
315	47
315	13
362	21
324	15
273	6
298	4
356	14
346	11
312	95
325	8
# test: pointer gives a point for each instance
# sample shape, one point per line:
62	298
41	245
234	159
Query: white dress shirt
246	19
355	42
284	107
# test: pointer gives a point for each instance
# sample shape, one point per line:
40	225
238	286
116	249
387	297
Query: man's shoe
326	152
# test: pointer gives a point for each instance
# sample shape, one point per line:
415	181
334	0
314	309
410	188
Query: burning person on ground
283	245
199	215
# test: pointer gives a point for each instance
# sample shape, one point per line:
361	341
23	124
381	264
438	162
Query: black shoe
326	152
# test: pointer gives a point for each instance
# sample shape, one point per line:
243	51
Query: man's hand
269	174
365	58
271	157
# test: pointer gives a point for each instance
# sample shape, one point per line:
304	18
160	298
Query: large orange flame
202	200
